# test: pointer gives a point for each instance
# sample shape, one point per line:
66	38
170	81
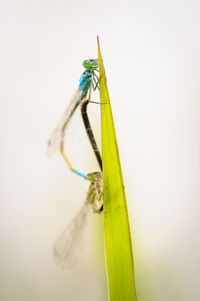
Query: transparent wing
67	247
57	136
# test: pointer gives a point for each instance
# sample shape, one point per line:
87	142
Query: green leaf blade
118	246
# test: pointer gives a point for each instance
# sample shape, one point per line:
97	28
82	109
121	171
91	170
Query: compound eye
95	64
86	64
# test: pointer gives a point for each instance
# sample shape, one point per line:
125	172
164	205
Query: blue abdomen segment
83	175
85	83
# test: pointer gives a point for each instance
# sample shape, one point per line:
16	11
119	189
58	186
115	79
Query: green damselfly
67	247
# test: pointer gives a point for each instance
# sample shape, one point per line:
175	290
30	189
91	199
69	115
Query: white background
152	60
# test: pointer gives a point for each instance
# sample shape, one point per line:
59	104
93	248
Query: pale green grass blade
119	258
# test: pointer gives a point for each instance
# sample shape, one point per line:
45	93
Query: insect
89	81
67	247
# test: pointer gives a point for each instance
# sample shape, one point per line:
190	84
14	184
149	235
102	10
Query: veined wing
67	247
59	132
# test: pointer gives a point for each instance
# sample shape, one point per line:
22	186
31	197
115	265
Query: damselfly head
91	64
94	176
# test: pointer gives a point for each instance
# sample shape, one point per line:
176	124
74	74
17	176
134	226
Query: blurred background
151	55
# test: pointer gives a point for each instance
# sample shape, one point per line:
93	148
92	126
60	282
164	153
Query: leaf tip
98	41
